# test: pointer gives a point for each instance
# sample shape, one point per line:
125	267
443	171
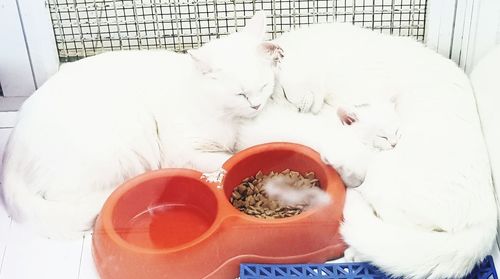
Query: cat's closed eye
242	95
383	137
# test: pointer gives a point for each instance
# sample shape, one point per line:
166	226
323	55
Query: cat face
377	124
238	71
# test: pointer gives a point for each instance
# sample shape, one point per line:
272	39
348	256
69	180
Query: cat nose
255	107
393	144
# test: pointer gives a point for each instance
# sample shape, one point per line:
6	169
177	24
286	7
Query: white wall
28	54
485	32
463	30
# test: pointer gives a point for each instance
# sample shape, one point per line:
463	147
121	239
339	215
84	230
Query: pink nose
255	107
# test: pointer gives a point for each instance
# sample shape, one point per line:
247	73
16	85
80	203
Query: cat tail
408	252
61	219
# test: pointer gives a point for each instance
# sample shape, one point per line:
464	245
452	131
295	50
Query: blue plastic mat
485	270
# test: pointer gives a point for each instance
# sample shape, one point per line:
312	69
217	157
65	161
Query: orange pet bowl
172	223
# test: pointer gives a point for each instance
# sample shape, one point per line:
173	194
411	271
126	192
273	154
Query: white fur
281	188
376	124
104	119
426	209
434	210
343	64
349	148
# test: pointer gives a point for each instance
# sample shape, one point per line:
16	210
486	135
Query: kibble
251	198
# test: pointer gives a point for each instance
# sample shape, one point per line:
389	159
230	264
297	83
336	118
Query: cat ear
256	26
273	51
200	61
346	116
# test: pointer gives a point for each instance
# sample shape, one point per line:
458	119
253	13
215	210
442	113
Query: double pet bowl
174	223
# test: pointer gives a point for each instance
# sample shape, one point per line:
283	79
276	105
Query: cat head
376	123
238	71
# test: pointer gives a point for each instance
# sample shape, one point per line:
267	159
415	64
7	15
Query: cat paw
351	255
352	179
349	167
306	103
316	107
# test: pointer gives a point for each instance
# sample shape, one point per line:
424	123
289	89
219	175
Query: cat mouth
388	148
256	107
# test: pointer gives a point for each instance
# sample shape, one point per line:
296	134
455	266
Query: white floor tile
87	267
31	256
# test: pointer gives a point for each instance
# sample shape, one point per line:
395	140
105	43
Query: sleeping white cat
425	209
340	63
347	137
104	119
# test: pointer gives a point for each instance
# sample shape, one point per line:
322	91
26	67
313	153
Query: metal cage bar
86	27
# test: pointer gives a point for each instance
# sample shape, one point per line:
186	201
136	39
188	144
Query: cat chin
249	113
383	148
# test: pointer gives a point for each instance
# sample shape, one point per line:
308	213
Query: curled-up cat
427	208
107	118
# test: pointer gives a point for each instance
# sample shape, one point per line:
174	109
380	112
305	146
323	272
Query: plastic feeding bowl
173	223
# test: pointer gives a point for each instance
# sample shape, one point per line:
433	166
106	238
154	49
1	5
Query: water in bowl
167	226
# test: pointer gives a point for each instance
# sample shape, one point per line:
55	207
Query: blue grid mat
485	270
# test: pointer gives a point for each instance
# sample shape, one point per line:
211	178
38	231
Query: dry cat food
252	198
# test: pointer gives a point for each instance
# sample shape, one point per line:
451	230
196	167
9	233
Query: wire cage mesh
86	27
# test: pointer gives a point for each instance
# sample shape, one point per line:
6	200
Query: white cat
348	137
104	119
426	209
379	125
340	63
